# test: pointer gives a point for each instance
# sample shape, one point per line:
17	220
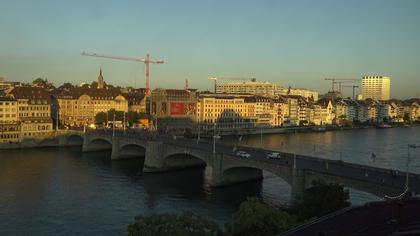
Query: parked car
274	155
243	154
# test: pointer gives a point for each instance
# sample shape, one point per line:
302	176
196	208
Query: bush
185	224
319	200
255	218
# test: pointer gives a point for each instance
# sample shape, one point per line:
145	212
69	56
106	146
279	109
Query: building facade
309	94
376	87
33	112
79	106
266	89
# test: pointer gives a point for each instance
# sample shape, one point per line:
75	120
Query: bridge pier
115	154
298	184
154	158
62	140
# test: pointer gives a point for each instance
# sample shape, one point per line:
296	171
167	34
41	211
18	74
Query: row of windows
34	108
7	115
9	128
7	103
39	101
9	136
7	109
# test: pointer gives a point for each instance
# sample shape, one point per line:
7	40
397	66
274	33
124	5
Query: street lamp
198	136
113	126
124	122
214	139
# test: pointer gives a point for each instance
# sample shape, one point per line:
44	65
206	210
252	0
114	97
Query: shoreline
55	142
300	129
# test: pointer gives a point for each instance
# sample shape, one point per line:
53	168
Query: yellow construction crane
229	78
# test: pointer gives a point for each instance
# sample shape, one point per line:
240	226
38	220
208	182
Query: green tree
100	118
255	218
66	86
407	117
319	200
143	115
43	83
132	117
119	115
185	224
94	84
38	81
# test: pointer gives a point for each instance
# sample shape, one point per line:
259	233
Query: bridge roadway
164	153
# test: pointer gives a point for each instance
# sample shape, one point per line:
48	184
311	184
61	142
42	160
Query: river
62	191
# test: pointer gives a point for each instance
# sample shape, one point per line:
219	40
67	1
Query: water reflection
64	191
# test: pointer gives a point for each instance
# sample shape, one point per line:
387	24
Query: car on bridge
274	155
243	154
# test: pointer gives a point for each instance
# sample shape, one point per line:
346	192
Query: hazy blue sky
294	42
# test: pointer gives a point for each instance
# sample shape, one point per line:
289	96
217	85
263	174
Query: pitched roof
94	93
31	93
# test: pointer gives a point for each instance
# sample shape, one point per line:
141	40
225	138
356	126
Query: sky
294	43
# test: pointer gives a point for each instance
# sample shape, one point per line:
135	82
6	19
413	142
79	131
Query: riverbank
298	129
37	143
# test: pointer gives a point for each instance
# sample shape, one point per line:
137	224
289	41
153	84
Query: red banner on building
177	108
182	108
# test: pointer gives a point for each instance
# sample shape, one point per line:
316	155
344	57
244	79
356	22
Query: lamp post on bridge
198	135
214	139
113	126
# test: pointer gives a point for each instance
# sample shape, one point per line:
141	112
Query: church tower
101	82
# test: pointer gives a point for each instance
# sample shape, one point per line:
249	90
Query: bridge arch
98	144
240	174
255	169
74	139
182	160
132	150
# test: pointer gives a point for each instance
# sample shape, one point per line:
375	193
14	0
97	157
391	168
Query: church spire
101	82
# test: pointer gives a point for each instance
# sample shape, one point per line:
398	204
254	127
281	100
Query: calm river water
62	191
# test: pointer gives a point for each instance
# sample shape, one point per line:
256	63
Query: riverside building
266	89
376	87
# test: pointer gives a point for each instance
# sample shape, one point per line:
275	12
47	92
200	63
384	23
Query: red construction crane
146	61
229	78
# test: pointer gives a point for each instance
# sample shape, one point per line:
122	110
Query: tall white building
376	87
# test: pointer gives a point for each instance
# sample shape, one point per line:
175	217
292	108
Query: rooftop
375	218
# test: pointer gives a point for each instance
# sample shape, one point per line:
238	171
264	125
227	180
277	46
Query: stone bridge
164	154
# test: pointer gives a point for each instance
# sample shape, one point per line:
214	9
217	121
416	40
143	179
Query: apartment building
225	111
33	111
376	87
79	106
308	94
265	89
175	103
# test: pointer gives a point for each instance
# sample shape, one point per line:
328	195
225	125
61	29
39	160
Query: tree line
131	117
253	218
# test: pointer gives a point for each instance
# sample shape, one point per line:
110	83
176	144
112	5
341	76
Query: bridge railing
206	144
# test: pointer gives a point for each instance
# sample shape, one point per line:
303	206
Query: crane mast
353	88
146	61
335	81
